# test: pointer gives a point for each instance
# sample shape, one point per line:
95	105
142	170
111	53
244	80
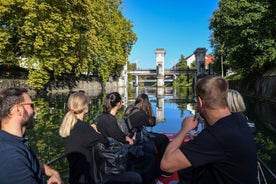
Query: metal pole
266	167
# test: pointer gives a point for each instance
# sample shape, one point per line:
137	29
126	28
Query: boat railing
56	159
261	175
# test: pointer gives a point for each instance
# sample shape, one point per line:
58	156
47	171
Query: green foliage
60	37
183	80
48	143
182	64
243	33
38	78
233	77
266	145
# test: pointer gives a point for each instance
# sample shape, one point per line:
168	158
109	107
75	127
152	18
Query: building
209	59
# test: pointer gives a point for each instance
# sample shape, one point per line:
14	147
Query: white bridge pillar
200	64
200	60
136	81
160	55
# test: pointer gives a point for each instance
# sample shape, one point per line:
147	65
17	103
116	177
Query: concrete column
160	55
136	81
160	114
200	61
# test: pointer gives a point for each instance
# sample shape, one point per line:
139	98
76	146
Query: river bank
261	89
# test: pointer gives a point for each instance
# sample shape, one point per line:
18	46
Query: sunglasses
28	103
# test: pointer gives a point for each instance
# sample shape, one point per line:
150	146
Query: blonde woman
79	138
236	104
235	101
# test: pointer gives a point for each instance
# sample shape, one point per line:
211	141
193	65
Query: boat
264	171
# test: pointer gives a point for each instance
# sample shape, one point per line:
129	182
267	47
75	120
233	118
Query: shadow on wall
261	88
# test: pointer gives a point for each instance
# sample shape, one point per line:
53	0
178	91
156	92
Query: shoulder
15	153
18	158
104	116
137	113
81	125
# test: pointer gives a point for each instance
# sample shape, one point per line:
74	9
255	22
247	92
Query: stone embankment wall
5	83
263	88
92	88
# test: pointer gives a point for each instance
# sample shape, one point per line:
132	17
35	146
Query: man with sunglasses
224	151
18	163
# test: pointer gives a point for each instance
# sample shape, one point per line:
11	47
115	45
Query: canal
170	109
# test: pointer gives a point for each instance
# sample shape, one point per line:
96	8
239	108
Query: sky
178	26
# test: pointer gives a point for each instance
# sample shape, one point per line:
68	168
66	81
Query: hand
189	123
54	177
94	126
131	140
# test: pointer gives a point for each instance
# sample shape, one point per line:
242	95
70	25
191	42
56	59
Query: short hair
10	97
235	101
213	90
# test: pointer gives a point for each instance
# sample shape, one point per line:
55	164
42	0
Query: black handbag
114	155
145	138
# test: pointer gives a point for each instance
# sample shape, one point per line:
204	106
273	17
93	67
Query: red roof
209	59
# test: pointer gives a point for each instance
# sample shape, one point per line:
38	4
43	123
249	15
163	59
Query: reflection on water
264	116
170	108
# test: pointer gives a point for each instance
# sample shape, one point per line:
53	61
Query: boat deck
174	178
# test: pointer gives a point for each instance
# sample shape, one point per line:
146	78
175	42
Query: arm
173	159
54	177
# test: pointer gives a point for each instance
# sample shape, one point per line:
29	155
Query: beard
29	120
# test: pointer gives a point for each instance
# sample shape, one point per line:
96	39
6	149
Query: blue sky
178	26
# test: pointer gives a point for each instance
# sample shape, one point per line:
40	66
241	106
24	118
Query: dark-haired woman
107	125
141	114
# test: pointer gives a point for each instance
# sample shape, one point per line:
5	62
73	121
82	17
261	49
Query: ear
15	110
200	101
86	110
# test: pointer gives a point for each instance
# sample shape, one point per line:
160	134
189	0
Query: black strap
127	120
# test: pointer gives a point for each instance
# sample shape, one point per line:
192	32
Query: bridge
162	75
152	72
169	75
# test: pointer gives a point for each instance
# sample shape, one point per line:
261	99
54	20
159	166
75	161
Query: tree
61	39
182	79
243	33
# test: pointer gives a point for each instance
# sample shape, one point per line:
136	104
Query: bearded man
18	162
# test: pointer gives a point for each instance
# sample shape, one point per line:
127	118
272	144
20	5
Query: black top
140	118
223	153
78	147
108	126
18	162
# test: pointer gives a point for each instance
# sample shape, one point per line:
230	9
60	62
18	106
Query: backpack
113	156
125	124
144	139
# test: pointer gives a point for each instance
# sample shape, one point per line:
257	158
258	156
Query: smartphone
132	132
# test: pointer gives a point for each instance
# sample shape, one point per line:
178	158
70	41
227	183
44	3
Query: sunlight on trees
65	38
243	32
